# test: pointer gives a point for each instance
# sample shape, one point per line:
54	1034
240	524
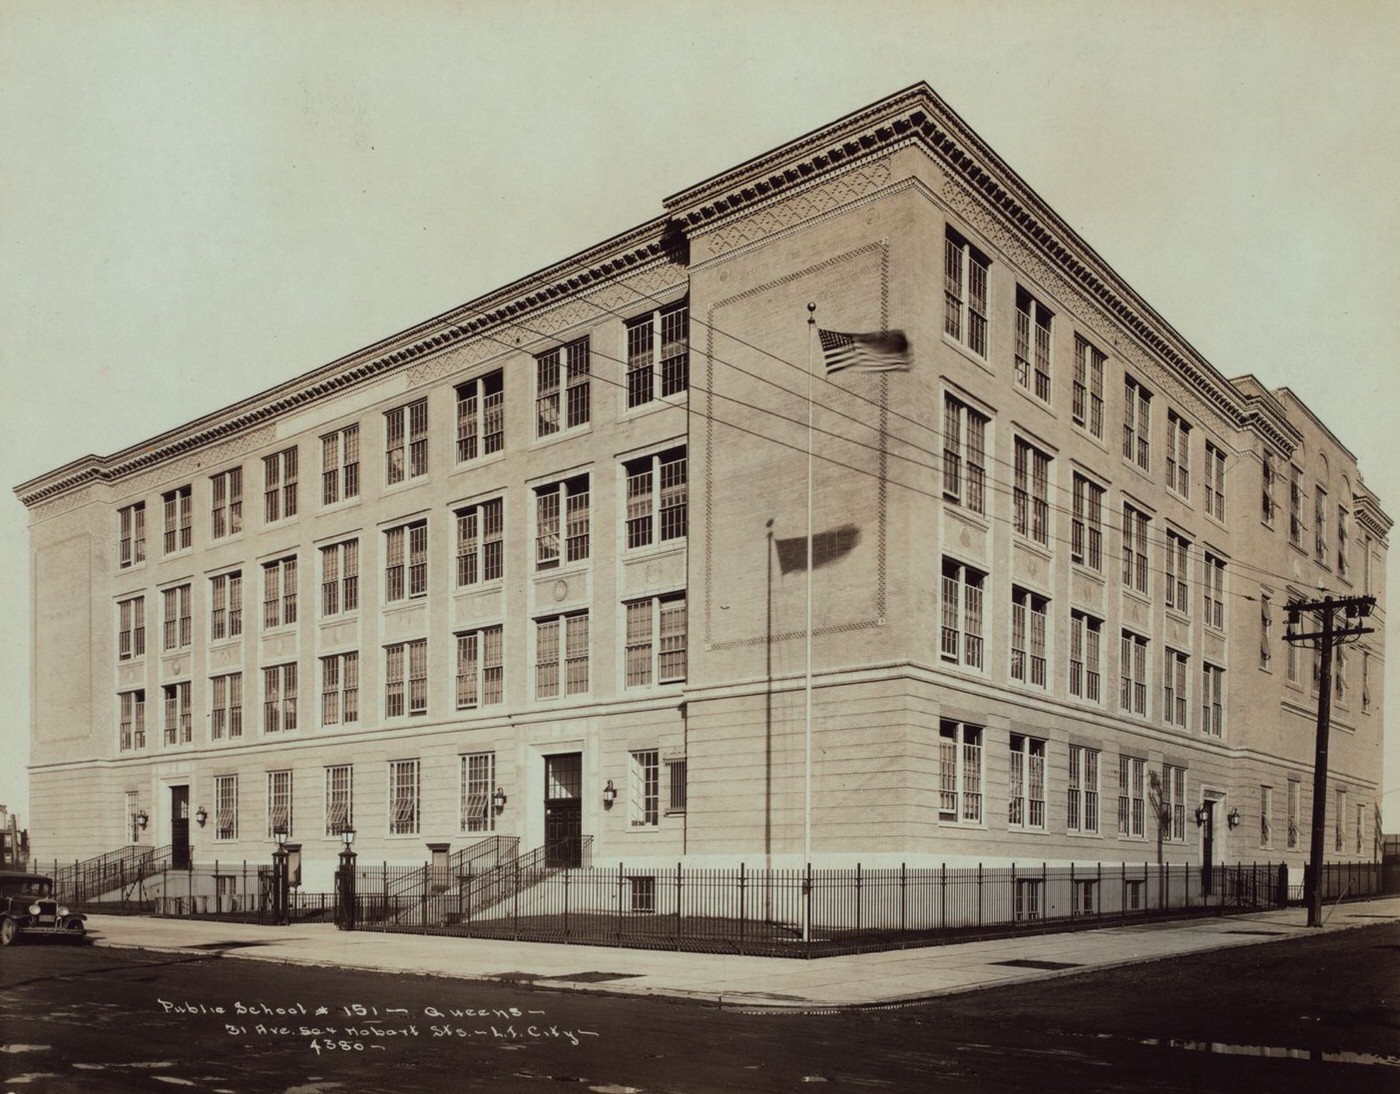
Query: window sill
561	435
342	503
963	350
478	461
655	404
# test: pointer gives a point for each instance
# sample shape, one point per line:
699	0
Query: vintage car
27	907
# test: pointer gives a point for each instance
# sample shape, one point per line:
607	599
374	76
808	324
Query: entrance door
563	811
180	827
1207	847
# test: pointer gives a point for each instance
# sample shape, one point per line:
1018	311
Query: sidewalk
759	982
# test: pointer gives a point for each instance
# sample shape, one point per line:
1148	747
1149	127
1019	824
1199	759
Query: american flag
876	351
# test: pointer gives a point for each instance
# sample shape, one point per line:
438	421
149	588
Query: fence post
903	897
678	906
617	928
979	889
1044	892
566	872
943	896
743	907
1073	893
1098	889
807	900
515	917
858	888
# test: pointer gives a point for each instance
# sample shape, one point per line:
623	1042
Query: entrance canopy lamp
1201	813
609	794
201	814
498	799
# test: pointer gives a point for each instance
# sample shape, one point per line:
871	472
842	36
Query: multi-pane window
478	776
340	577
1295	506
676	784
1339	676
1266	498
406	678
1360	825
280	485
340	465
561	505
1028	612
226	710
658	355
1085	656
1343	540
178	519
656	641
176	604
177	713
1082	813
962	613
1178	454
1174	688
406	561
226	605
1266	816
480	542
1132	813
1173	817
131	628
1214	477
1176	575
280	698
644	787
133	719
1295	796
340	688
1132	674
1213	591
656	498
1087	406
1341	820
1026	782
1033	344
1320	523
280	592
226	505
131	526
1134	549
404	797
965	293
1029	898
1292	657
279	803
480	668
1365	681
340	799
406	442
1266	626
1212	699
562	395
1032	492
1137	423
959	772
1086	530
561	655
964	455
225	807
481	416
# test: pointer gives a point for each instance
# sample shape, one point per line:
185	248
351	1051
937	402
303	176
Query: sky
201	200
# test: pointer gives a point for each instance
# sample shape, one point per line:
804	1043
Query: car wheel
9	932
75	930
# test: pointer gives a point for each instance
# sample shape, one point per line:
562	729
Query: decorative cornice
1268	417
1370	515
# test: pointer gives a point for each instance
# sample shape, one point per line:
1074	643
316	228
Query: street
1312	1013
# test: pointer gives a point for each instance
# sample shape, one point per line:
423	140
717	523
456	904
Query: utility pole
1327	635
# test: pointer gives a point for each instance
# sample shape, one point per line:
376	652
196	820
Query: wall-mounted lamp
141	819
609	795
201	815
1201	813
499	799
1234	818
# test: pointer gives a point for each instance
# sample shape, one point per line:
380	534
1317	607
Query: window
131	524
340	465
340	577
340	688
279	803
480	671
1365	681
1086	530
480	542
133	719
1266	626
225	606
959	772
1085	655
1213	590
1266	812
414	657
1341	821
280	485
226	714
1083	804
226	507
549	683
1320	523
644	797
131	628
962	614
964	455
1339	676
1087	406
1137	423
1343	538
1293	654
177	617
1033	343
280	698
478	776
1178	454
177	713
404	789
1174	688
1267	496
279	593
225	807
656	498
965	293
481	417
1212	699
1026	783
1295	790
656	641
1032	492
1132	669
406	574
340	799
569	497
1215	481
1295	506
1134	549
1173	803
1131	809
406	442
566	368
177	519
1176	573
663	334
1360	825
1030	893
676	782
1028	637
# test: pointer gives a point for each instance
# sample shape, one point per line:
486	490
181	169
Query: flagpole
807	704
